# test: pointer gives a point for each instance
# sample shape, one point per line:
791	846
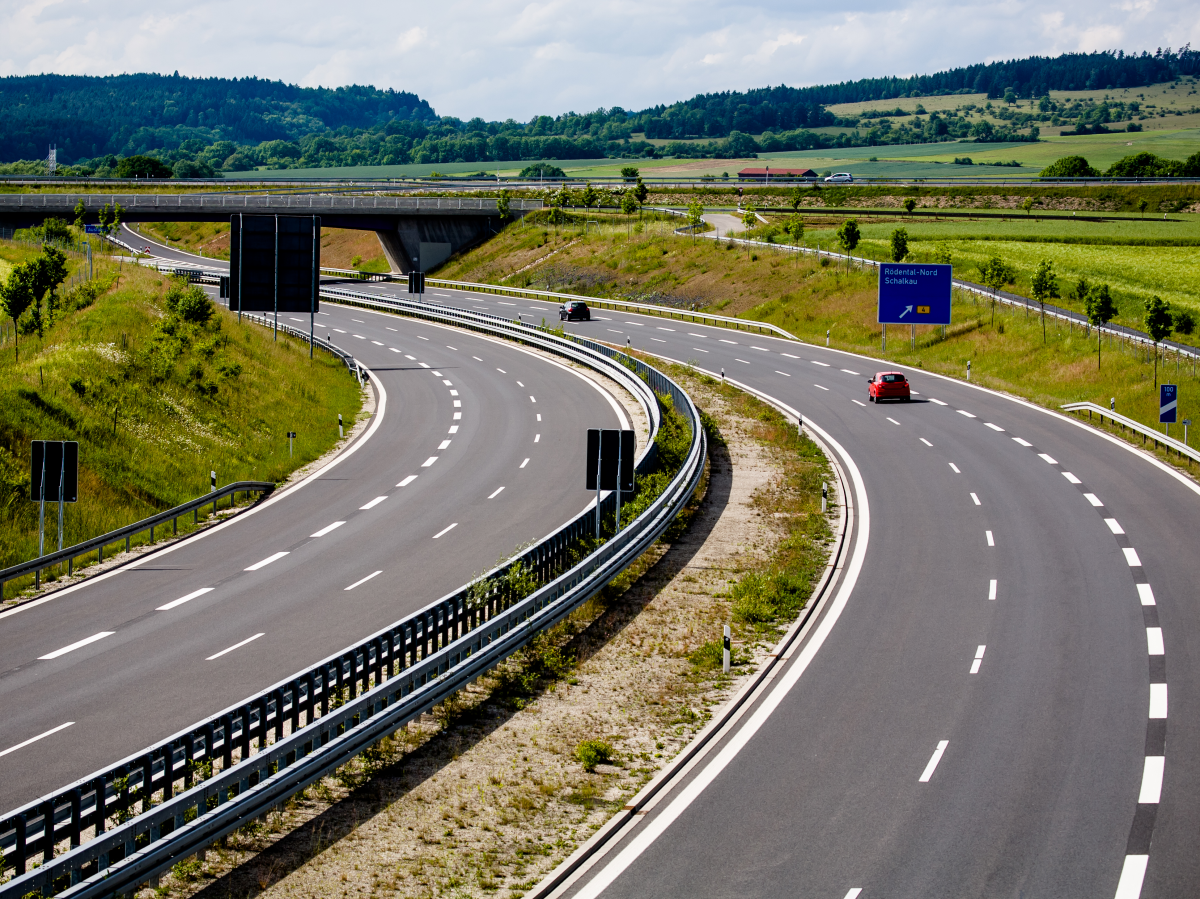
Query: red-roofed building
770	174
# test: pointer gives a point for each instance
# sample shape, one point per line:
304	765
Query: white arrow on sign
907	309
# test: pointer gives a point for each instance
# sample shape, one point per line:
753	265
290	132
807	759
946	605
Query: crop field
1130	229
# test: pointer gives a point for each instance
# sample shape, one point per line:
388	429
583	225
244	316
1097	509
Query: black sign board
606	447
416	282
58	460
274	263
224	287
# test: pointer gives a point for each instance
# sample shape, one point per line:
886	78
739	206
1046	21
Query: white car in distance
840	177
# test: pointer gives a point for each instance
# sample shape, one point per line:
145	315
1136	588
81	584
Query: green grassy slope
155	403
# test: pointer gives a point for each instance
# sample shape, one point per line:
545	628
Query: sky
507	58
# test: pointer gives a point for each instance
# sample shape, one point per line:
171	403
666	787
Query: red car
888	385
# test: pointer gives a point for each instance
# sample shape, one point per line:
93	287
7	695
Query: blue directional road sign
914	294
1168	403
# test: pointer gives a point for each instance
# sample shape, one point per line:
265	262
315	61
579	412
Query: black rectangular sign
59	461
274	263
416	282
605	447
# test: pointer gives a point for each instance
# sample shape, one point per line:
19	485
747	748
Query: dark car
574	310
888	385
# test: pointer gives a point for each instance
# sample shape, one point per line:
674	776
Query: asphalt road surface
982	709
477	447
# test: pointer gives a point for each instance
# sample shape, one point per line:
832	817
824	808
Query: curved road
476	448
982	707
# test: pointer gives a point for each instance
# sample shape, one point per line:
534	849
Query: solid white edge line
329	527
1133	872
364	580
933	761
178	602
445	530
233	647
784	684
78	644
267	561
52	730
376	419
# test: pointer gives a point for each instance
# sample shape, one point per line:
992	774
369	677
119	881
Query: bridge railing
288	204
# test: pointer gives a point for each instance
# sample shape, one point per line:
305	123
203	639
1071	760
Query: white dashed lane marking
78	644
933	762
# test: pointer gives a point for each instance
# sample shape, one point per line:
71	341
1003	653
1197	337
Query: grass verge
157	398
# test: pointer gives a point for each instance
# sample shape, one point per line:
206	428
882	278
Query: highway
981	708
476	447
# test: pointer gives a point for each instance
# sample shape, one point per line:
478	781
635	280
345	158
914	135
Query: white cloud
521	58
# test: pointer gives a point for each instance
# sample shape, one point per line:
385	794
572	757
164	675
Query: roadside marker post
1186	422
291	437
341	433
725	655
968	369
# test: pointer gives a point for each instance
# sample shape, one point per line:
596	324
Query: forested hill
90	116
195	127
783	108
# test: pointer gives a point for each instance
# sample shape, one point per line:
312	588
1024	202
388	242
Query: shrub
1069	167
190	304
1184	321
591	753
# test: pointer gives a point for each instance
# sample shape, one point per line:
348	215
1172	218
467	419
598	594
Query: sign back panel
59	460
913	293
274	259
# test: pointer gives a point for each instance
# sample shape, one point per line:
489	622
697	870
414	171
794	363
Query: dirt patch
486	794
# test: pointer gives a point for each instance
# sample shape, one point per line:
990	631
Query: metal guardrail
1146	431
703	318
97	544
348	701
298	203
1002	297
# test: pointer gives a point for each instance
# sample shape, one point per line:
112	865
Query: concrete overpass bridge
415	232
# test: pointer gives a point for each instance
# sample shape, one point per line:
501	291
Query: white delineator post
725	658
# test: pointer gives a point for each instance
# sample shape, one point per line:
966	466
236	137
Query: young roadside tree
695	217
749	218
591	196
1158	326
503	206
794	228
1027	205
1080	290
909	205
796	198
1044	286
641	192
848	235
80	212
16	295
46	273
941	254
629	173
1142	204
629	203
1100	311
899	244
1183	321
995	275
